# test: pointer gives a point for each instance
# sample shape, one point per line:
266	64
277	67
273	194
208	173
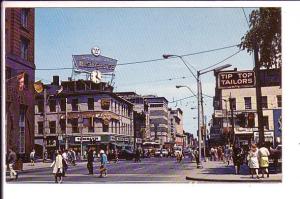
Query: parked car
126	154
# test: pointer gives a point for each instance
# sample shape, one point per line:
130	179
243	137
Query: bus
150	148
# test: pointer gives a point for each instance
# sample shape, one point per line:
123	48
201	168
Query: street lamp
199	97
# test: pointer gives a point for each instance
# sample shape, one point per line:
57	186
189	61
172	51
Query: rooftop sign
236	79
90	63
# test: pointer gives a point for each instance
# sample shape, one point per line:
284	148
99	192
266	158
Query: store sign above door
90	63
236	79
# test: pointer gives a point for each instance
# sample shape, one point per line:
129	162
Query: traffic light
241	120
251	120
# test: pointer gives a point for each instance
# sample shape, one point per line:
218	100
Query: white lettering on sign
87	139
236	79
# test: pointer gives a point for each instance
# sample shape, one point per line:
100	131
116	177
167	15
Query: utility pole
45	123
199	91
232	119
66	134
202	115
260	116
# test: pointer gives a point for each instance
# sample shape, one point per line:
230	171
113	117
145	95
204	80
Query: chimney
55	80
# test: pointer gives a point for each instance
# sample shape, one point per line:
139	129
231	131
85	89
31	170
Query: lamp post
199	97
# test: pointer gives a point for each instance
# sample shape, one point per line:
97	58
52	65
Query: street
149	170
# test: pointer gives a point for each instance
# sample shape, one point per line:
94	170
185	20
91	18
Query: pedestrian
32	157
275	154
212	153
227	155
65	162
116	156
137	155
11	160
215	154
58	167
219	152
179	156
263	154
45	156
103	163
90	160
237	158
253	160
196	154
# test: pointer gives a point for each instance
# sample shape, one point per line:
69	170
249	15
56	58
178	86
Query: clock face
96	76
95	51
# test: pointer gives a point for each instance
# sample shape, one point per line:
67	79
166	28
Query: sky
138	34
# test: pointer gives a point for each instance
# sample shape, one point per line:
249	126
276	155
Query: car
161	152
126	154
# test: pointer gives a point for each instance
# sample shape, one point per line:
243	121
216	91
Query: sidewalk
214	171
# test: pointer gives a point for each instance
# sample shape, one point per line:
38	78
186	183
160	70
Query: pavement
217	171
149	170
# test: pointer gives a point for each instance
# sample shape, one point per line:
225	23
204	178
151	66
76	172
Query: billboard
236	79
90	63
277	117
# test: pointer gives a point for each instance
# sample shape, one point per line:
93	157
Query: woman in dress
253	160
58	167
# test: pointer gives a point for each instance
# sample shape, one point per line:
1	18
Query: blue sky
136	34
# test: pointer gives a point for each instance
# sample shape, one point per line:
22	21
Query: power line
246	17
151	60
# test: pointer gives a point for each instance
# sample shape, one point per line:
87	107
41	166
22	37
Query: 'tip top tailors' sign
90	62
236	79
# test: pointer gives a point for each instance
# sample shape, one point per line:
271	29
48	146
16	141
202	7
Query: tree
265	31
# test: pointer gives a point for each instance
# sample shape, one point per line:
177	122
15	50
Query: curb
233	180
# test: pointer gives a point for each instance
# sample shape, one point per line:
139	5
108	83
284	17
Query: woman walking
237	158
103	162
253	160
58	167
263	154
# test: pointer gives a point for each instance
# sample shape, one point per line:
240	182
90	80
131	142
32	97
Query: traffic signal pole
232	119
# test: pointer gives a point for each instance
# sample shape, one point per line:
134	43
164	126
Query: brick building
19	75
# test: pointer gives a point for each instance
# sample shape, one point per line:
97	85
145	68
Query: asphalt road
149	170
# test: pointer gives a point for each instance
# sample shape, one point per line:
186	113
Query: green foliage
265	30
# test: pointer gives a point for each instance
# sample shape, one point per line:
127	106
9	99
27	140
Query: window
52	127
40	106
40	128
91	124
62	104
74	104
52	105
22	129
247	102
75	125
264	101
24	17
90	103
279	102
232	103
104	127
156	105
266	122
63	125
24	48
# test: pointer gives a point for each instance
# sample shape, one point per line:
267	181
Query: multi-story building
96	117
159	120
243	102
188	140
176	126
140	116
19	75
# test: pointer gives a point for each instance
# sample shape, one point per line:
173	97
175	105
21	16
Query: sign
87	139
91	63
219	113
277	117
120	139
236	79
139	140
105	104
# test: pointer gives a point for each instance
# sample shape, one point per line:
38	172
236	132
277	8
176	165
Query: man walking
103	162
11	160
90	159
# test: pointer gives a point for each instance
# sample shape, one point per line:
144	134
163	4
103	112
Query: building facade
140	116
176	126
243	102
96	117
159	119
20	76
